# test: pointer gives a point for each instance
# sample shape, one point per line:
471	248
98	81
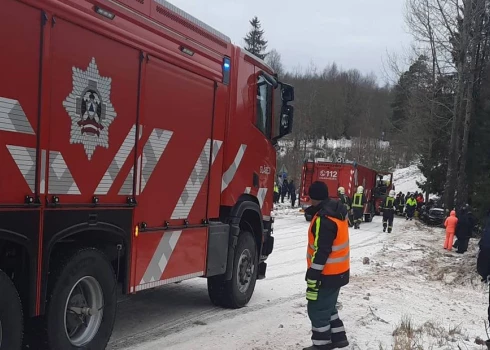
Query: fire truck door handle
256	180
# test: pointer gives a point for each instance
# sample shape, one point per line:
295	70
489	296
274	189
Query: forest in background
436	113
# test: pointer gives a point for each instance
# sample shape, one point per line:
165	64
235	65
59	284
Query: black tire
89	263
227	293
11	322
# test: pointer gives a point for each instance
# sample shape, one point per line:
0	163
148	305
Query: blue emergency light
226	70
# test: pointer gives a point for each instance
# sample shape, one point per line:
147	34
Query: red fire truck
350	176
138	149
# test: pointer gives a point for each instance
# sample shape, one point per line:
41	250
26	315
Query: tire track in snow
210	316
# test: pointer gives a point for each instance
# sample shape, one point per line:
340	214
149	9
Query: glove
312	290
312	283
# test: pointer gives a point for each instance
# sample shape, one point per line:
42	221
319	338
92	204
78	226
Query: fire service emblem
90	108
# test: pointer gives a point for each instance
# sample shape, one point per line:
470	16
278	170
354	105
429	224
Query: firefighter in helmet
388	208
346	202
358	203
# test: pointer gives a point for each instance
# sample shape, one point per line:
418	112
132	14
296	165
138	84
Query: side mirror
286	123
287	93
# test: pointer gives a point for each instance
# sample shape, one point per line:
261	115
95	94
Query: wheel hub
245	270
84	311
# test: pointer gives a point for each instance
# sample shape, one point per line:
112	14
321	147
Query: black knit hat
318	191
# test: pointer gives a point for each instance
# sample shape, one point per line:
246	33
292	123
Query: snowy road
182	313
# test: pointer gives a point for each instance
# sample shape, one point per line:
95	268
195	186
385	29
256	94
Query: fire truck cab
137	146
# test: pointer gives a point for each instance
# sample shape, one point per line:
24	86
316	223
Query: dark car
433	216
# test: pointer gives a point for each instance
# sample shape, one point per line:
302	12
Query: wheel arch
103	236
245	214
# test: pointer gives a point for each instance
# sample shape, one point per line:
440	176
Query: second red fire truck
138	149
350	175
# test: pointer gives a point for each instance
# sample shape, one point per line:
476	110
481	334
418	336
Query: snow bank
405	179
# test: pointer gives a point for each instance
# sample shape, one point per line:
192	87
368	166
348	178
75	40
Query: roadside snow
409	278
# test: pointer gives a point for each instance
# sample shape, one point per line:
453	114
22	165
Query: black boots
338	345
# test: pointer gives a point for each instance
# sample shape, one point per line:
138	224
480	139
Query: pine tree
256	44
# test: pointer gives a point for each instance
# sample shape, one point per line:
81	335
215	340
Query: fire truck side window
264	106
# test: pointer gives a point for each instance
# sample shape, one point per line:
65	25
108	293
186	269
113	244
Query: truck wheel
82	304
237	292
11	326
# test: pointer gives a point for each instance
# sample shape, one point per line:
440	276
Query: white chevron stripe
229	174
196	180
13	118
120	158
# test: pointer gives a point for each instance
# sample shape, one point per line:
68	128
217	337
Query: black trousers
326	326
410	212
463	245
388	216
357	215
276	197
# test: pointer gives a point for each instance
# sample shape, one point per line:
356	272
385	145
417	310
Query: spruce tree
256	44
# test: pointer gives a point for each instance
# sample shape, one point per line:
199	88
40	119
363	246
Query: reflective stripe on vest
357	202
338	261
388	204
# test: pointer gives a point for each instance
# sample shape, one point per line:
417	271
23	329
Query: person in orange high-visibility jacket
450	223
328	261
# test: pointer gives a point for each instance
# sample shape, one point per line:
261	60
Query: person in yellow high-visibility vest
410	207
358	202
388	208
276	193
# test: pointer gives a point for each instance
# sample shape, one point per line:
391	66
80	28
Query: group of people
461	225
408	204
284	189
354	207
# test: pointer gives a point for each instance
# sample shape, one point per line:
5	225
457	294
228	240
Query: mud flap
262	269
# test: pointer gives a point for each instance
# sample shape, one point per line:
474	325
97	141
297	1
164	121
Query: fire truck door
19	88
93	115
178	151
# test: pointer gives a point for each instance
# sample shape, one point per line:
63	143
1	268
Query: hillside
405	179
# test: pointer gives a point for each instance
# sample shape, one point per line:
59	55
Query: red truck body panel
109	118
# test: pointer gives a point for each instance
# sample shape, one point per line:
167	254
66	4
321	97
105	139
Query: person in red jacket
420	201
450	224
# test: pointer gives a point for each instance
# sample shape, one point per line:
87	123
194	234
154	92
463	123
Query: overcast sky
352	33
